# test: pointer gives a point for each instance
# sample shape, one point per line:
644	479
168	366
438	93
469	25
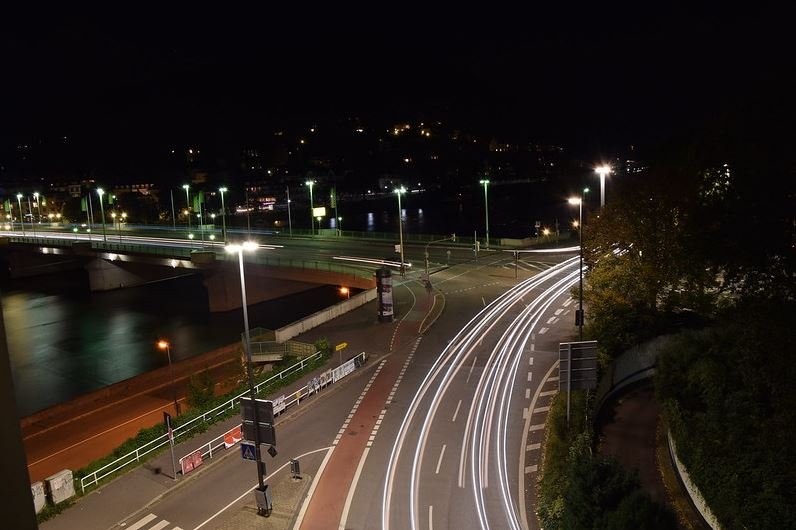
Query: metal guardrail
295	398
136	455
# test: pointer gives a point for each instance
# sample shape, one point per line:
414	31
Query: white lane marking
439	462
543	331
143	522
521	501
537	427
351	489
566	312
531	469
527	393
559	311
160	526
541	409
525	413
430	517
569	301
530	376
533	347
548	393
554	378
456	413
484	301
471	370
551	320
533	447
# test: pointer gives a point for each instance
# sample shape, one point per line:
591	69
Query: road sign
577	365
340	346
267	432
265	410
247	451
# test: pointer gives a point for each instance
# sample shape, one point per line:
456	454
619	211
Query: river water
64	341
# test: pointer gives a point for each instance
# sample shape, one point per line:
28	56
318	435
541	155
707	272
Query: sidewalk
633	437
147	483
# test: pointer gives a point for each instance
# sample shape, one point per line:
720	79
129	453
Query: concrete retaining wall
325	315
693	491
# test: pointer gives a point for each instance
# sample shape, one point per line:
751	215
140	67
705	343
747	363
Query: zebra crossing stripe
143	522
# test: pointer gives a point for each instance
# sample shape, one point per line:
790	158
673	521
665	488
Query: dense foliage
729	397
709	232
580	490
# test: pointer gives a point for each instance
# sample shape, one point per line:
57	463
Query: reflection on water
64	342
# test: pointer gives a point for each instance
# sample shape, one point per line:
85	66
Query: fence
294	399
136	455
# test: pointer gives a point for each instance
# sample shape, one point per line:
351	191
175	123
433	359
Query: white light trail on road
442	374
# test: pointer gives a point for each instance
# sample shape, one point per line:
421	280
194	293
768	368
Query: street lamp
118	228
289	218
346	291
485	183
101	192
165	345
238	249
187	204
21	217
38	203
30	211
340	226
400	191
579	314
603	171
223	190
310	183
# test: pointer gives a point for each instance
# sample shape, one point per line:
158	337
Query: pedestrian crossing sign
247	451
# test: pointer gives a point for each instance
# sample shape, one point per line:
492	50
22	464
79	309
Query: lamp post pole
173	217
400	191
38	204
485	183
187	205
165	345
579	315
260	465
201	224
289	219
30	211
580	269
223	190
101	192
309	184
21	216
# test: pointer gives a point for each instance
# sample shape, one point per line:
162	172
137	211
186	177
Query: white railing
160	441
294	398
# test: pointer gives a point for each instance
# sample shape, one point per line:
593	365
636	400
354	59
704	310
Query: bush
579	490
720	389
201	390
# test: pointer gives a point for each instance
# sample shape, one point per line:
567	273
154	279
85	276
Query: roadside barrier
136	455
192	460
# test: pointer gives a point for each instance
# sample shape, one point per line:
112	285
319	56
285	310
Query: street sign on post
267	432
265	410
577	368
247	451
265	415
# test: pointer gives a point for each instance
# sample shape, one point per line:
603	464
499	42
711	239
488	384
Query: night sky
595	79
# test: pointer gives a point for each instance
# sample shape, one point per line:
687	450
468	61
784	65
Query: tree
201	390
